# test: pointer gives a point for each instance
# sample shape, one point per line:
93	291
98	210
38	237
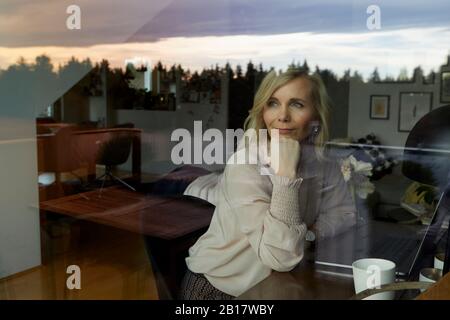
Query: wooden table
304	282
439	291
169	225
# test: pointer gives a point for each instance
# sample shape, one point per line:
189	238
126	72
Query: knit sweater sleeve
268	214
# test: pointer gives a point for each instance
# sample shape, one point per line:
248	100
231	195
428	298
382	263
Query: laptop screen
434	240
409	246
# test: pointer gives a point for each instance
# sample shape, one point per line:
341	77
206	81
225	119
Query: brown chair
112	153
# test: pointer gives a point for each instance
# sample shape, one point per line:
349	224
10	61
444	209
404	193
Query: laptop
399	243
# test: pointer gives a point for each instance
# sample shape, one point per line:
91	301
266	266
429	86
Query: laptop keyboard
395	249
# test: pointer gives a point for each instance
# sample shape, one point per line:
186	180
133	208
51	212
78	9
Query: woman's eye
297	104
272	103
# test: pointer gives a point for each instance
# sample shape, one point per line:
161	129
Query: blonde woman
261	221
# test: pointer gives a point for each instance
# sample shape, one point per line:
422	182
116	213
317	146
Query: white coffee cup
371	273
430	275
439	260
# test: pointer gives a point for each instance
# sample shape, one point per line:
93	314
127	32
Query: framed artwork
445	86
413	106
379	107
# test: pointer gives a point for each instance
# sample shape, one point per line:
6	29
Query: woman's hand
288	156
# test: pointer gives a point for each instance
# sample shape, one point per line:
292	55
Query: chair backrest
124	125
427	149
115	151
56	149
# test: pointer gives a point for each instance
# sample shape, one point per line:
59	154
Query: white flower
364	188
361	167
358	173
346	169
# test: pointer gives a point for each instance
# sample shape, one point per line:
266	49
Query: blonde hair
319	97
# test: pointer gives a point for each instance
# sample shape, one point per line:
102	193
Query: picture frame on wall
413	106
445	86
379	107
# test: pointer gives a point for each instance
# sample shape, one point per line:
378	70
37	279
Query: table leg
136	158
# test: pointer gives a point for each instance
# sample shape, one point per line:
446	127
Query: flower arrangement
370	152
358	173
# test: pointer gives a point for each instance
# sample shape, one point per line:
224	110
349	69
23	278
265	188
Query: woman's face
290	109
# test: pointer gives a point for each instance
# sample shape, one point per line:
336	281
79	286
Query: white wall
157	129
23	96
20	247
158	126
97	109
359	122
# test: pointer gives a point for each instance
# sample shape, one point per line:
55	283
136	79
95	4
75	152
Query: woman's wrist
284	203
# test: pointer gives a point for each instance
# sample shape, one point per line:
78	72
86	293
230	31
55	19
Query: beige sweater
260	221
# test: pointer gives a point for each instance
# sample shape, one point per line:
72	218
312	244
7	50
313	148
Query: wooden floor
113	263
